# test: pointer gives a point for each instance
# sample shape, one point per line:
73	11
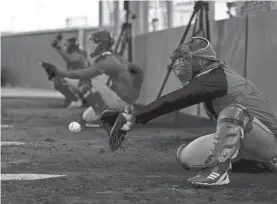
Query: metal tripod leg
119	39
197	8
125	37
129	41
173	61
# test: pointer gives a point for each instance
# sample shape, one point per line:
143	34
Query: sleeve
200	89
107	66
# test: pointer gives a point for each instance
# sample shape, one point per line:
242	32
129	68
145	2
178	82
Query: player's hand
130	121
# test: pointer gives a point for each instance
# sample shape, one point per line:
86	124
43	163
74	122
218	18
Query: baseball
74	127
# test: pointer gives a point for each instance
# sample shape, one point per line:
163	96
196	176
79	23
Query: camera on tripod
126	7
201	28
125	37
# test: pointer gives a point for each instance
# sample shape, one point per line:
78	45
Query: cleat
210	178
94	124
272	165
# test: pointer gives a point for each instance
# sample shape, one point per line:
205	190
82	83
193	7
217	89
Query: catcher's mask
191	58
102	41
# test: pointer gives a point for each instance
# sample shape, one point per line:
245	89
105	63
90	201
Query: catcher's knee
234	120
182	157
185	158
192	156
89	115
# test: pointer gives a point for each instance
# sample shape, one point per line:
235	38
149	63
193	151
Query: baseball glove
49	68
112	120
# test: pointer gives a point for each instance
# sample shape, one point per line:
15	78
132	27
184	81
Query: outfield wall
21	54
248	44
262	54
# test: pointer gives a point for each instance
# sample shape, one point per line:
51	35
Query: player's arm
203	88
83	74
104	67
64	55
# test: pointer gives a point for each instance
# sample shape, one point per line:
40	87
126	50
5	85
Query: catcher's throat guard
112	120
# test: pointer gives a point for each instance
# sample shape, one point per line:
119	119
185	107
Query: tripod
200	12
125	37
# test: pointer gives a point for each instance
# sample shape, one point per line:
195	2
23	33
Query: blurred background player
75	59
115	83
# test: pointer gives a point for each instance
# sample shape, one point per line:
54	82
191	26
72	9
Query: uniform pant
260	144
73	84
109	97
74	87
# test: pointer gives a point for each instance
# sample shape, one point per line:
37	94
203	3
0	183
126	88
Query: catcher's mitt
112	120
49	68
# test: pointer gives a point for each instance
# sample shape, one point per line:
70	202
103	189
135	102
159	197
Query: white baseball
74	127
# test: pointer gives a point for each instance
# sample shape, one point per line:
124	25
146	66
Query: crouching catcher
114	82
75	58
246	128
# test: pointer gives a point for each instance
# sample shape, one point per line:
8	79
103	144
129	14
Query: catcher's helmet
186	67
72	45
104	41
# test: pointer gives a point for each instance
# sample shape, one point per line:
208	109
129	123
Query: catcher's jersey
126	78
216	88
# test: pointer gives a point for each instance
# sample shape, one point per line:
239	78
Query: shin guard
93	98
232	124
62	87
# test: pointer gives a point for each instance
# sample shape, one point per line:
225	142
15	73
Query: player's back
78	60
243	91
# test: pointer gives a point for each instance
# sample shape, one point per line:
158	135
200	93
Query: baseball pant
260	144
109	97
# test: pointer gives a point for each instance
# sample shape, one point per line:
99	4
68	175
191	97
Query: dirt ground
144	172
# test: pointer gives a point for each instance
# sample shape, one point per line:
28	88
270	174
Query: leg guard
62	87
92	97
89	115
233	122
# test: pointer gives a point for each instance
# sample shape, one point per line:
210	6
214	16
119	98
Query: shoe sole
272	166
209	185
92	125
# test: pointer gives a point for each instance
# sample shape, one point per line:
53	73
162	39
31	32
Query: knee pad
85	89
233	122
89	115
